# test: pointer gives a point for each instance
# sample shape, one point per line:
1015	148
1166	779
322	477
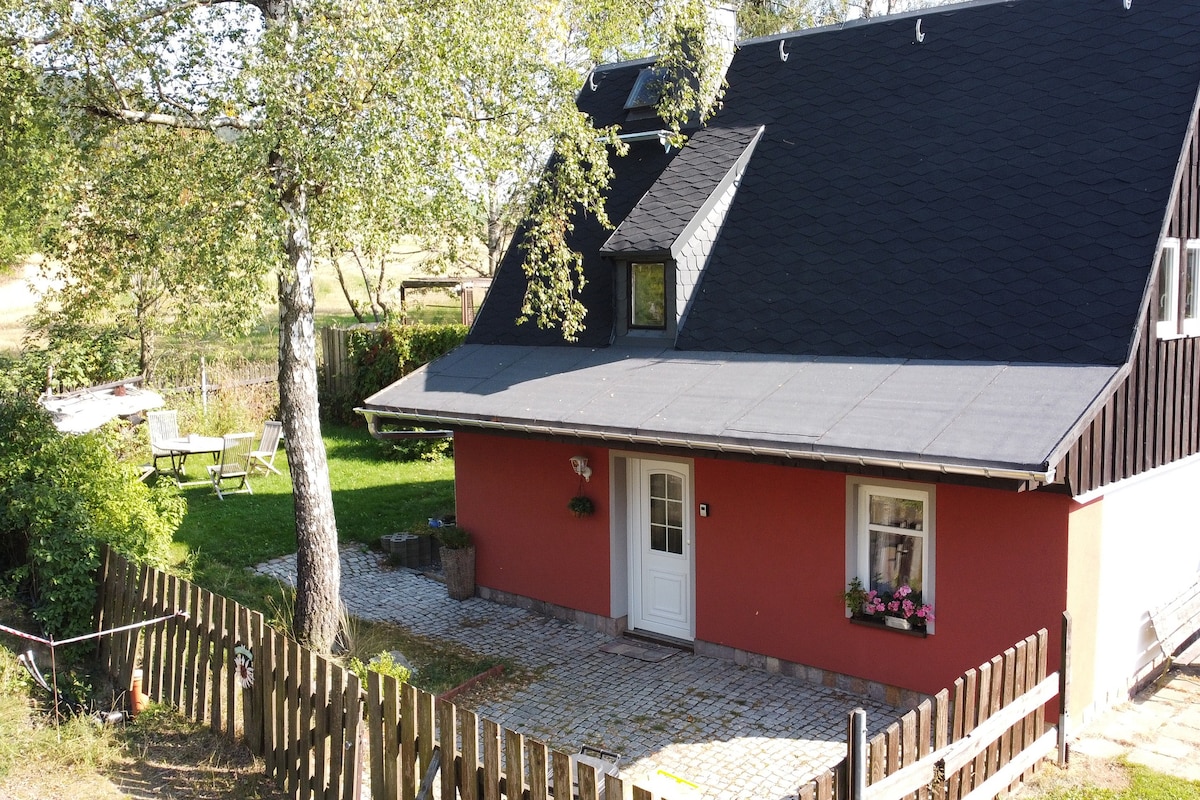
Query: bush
383	663
61	496
382	355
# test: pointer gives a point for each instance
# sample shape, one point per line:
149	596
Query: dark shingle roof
995	192
938	252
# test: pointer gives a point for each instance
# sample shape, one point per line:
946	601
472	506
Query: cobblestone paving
733	731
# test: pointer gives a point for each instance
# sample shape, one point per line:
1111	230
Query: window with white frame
1168	290
1191	288
891	538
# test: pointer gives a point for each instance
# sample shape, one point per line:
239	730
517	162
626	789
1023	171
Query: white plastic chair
234	464
263	457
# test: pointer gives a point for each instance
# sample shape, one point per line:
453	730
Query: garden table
190	445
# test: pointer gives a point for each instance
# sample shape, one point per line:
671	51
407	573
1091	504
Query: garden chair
263	457
234	464
164	426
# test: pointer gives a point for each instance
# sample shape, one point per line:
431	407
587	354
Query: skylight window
647	89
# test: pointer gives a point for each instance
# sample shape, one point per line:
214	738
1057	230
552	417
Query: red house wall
770	558
512	496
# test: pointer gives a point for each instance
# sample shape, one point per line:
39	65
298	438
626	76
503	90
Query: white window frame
1190	263
1168	326
858	531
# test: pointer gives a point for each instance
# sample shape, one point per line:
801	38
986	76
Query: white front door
661	575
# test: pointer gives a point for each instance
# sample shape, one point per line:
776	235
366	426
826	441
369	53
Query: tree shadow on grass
168	756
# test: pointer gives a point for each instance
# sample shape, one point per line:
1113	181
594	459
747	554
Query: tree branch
168	120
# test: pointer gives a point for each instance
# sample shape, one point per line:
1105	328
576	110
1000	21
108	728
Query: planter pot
897	623
459	568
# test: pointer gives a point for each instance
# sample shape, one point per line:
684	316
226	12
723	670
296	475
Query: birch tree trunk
318	567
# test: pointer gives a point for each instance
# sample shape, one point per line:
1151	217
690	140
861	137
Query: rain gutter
373	417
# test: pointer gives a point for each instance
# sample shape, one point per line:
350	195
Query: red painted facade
771	558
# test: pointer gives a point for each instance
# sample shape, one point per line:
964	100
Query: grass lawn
1100	779
372	495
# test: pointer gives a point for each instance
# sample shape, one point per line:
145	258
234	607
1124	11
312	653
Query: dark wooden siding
1153	417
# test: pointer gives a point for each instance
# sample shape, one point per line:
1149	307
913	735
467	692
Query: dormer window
647	89
648	295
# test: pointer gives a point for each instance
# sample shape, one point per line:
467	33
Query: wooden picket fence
973	741
323	736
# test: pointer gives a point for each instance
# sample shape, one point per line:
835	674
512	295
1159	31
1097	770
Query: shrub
61	496
383	663
381	355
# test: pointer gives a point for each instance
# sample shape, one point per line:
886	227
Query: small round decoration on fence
243	662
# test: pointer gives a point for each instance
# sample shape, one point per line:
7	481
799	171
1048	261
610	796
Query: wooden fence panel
350	763
305	732
514	764
305	715
491	763
446	741
408	742
468	725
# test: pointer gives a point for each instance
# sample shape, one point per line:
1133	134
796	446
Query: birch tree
346	115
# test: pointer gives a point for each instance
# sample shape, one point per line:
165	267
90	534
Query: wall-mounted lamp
579	464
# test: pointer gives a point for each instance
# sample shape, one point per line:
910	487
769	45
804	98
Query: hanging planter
581	505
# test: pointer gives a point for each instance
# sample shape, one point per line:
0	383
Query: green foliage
581	505
766	17
383	663
453	537
60	497
416	449
36	152
382	355
68	353
163	240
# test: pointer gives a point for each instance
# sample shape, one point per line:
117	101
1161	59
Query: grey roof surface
991	416
939	250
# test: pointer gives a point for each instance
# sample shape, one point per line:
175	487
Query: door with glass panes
662	577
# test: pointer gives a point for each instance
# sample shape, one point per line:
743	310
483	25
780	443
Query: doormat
639	650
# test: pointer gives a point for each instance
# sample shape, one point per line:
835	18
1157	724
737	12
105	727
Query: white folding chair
164	426
234	464
263	456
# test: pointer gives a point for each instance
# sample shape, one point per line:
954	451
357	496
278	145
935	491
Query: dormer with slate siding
678	221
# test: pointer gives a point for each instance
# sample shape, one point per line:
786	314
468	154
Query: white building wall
1149	553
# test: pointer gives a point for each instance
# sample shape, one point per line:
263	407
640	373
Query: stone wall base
881	692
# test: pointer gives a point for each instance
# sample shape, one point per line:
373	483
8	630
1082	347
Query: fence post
856	755
1064	686
203	386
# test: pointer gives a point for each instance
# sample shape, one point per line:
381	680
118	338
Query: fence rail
323	736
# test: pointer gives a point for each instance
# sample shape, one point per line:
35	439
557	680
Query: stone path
732	731
1159	728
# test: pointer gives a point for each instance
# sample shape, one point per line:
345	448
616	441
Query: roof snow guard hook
782	55
592	80
920	33
1127	3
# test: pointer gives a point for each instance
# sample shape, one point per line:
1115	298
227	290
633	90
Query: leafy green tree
341	115
36	150
163	239
61	496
